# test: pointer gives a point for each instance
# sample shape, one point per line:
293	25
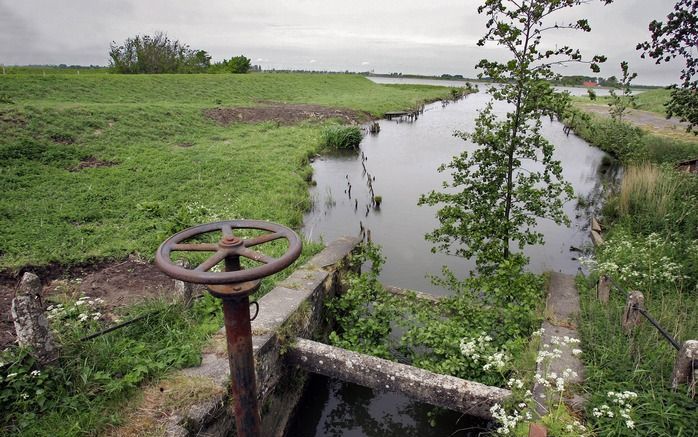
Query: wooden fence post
537	430
603	288
632	317
684	373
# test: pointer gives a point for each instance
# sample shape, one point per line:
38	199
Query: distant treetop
156	54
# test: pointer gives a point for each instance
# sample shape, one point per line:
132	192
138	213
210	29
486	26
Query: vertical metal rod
242	375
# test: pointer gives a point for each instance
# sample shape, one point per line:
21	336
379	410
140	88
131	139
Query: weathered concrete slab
406	293
468	397
560	338
334	252
562	307
568	360
595	225
306	278
596	238
276	307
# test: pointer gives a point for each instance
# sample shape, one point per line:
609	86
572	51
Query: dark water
403	158
337	409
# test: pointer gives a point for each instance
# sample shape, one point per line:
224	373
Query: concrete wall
294	308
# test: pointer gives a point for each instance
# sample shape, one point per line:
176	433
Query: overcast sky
409	36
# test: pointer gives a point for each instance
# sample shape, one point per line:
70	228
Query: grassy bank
97	167
630	143
101	166
652	247
650	100
651	233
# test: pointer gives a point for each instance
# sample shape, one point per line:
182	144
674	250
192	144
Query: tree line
154	54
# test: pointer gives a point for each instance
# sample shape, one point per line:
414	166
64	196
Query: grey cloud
407	35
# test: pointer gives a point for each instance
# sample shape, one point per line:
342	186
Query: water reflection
331	408
403	159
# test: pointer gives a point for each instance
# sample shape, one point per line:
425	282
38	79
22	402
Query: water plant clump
480	333
341	137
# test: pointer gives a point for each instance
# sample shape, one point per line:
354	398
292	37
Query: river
403	158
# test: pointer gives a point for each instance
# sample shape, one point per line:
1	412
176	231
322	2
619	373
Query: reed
647	190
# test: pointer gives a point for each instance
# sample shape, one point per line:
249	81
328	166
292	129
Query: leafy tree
678	37
620	103
156	54
238	64
493	200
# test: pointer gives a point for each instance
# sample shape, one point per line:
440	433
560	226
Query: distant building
590	84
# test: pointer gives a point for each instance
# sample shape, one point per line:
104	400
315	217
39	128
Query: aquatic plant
341	137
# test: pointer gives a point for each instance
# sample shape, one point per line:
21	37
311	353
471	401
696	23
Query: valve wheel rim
228	246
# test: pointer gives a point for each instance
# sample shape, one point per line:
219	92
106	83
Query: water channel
403	159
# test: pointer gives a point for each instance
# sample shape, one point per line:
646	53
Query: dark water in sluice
403	158
336	409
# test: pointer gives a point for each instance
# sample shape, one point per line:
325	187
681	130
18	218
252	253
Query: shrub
156	54
341	137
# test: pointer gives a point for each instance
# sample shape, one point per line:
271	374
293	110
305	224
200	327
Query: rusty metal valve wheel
230	248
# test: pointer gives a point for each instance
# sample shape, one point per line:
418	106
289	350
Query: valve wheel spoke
262	239
212	261
195	247
256	256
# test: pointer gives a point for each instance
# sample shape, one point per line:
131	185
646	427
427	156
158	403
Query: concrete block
334	252
305	279
276	307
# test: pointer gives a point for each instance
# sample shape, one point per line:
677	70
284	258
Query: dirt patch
118	284
62	139
284	114
92	162
185	145
12	119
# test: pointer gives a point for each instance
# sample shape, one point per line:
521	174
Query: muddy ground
118	284
284	113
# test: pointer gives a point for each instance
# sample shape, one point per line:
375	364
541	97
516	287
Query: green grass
641	363
207	90
85	391
630	143
341	137
650	100
50	212
162	167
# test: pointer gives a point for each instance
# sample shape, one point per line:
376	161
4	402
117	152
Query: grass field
650	100
97	167
100	166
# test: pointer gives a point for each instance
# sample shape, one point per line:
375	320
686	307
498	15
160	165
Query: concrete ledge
562	311
404	292
468	397
335	252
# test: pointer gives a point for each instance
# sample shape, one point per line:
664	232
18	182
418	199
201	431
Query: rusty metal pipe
243	388
233	287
